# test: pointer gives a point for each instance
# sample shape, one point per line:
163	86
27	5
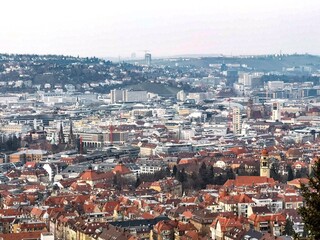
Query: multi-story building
116	95
15	128
28	155
135	96
147	59
236	120
125	95
91	139
276	112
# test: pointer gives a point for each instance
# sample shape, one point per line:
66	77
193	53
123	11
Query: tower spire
71	139
61	135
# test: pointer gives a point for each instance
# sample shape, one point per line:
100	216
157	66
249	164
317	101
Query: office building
147	59
236	120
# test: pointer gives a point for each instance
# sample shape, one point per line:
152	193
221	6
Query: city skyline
164	28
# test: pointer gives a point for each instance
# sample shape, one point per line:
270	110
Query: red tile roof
91	175
20	236
121	169
249	181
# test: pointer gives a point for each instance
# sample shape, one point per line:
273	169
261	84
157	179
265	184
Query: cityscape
151	145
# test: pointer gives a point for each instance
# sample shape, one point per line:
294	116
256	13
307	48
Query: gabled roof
121	169
226	222
256	218
298	181
249	181
110	206
186	227
234	199
20	236
37	212
91	175
166	225
194	235
147	216
9	212
80	187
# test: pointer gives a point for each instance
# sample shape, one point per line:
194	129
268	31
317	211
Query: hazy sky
165	27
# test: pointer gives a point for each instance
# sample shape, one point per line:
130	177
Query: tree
298	174
310	212
203	175
210	175
181	176
275	171
117	181
288	228
219	180
174	171
290	173
137	183
194	181
167	172
230	174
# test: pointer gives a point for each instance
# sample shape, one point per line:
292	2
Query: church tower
71	137
61	135
264	164
276	113
249	108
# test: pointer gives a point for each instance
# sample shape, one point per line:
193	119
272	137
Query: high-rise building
276	113
245	79
236	120
124	95
135	96
116	95
147	58
181	96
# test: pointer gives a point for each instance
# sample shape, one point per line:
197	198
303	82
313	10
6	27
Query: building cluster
223	157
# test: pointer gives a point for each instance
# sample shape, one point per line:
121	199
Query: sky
106	28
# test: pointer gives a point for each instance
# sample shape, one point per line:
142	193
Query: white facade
124	95
236	120
245	79
199	96
275	85
135	96
181	96
47	236
276	112
15	128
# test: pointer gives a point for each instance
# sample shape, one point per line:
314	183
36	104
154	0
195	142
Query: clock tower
264	164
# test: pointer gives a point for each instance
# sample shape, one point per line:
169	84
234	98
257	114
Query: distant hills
32	72
257	63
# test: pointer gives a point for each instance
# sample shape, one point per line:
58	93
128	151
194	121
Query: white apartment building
124	95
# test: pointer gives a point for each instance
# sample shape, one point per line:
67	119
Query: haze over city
166	28
159	120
